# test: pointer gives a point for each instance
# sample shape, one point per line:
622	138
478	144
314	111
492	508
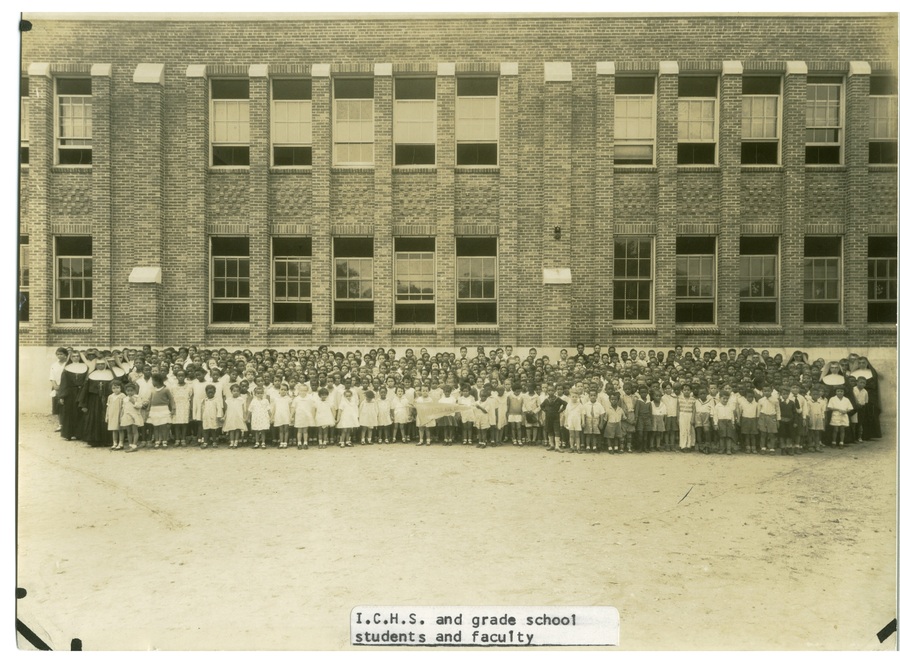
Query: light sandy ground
253	549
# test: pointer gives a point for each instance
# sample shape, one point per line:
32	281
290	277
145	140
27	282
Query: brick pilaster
382	212
258	207
728	277
601	244
321	201
508	241
794	137
856	147
445	238
667	201
101	203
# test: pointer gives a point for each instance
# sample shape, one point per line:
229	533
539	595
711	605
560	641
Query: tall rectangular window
354	124
883	119
822	280
476	280
882	280
635	122
761	120
74	121
695	280
74	279
24	259
24	121
477	121
414	280
291	280
414	121
759	280
697	119
230	121
291	122
230	277
824	119
633	279
354	302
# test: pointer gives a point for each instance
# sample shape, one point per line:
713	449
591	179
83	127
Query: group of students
634	402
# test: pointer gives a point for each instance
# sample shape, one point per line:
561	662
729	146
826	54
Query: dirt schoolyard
272	549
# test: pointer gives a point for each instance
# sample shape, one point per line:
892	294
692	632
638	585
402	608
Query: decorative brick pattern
762	194
826	195
290	196
699	194
635	196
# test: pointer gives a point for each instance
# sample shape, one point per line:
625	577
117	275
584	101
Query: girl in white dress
402	416
303	414
260	413
281	415
325	418
348	418
385	404
235	416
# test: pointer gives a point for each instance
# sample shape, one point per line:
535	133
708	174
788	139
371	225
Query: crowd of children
633	402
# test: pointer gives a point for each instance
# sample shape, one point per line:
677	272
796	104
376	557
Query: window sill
827	167
23	166
428	170
698	168
414	329
622	328
760	329
883	326
762	168
696	329
74	328
823	327
353	169
477	329
478	169
221	170
622	168
290	328
344	328
283	170
882	167
227	328
71	169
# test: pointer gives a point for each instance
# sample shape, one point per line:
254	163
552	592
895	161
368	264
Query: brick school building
419	181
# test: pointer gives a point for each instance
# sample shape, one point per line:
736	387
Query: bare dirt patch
271	549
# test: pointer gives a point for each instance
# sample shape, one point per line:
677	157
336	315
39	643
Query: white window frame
776	139
24	274
624	117
24	121
840	286
477	141
761	298
456	278
213	299
301	126
840	126
361	139
87	128
287	299
882	279
398	123
423	298
57	278
347	298
889	115
651	280
698	258
242	106
691	102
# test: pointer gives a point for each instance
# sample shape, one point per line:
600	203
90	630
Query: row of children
621	419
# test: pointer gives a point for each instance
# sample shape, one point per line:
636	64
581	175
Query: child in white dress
325	417
303	414
235	416
281	415
260	413
348	418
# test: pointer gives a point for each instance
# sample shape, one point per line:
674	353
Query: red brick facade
151	199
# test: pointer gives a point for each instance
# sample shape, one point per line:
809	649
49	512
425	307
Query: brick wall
150	197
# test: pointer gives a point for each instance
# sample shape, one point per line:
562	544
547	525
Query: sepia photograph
456	331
